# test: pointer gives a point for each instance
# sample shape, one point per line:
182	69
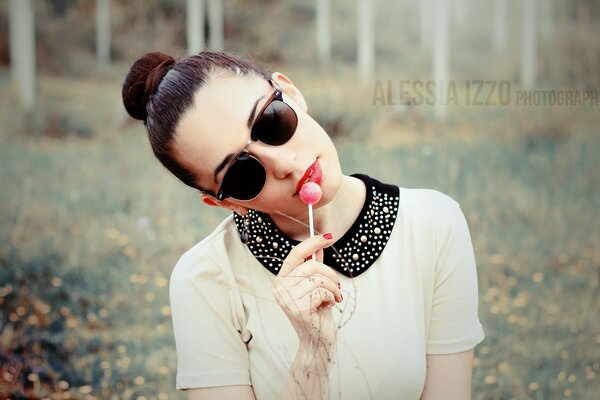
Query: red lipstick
312	174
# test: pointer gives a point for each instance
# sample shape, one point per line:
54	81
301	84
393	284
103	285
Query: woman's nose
278	160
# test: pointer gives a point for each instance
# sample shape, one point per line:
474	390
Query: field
92	225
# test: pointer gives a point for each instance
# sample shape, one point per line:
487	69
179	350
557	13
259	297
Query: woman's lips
312	174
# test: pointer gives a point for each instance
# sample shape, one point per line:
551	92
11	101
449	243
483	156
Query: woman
387	310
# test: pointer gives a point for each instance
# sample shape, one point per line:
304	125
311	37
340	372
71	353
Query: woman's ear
226	204
290	89
209	200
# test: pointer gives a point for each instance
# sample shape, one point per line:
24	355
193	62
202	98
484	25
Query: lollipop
310	193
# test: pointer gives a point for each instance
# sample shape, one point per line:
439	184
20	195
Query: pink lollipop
310	193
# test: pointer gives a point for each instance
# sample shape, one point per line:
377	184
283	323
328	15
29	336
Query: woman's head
200	112
158	90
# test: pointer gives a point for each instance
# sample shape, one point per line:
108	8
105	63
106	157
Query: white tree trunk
426	14
195	26
500	24
103	32
547	18
215	20
366	50
22	52
461	9
441	56
323	31
529	49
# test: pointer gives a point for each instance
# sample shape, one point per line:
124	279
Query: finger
317	256
313	282
304	250
300	282
289	294
307	269
318	297
320	255
303	298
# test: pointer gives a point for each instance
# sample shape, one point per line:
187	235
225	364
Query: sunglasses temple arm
311	227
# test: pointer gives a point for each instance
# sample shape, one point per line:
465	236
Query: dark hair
158	89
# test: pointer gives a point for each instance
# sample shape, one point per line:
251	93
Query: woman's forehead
223	104
223	89
217	122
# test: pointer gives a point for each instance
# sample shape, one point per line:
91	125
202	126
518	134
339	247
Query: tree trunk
323	31
547	18
103	32
22	52
461	9
215	21
441	33
529	49
500	23
195	26
426	15
366	51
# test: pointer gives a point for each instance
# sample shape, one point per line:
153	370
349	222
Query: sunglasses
274	125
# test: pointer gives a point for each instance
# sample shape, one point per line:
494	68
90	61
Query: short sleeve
454	323
210	349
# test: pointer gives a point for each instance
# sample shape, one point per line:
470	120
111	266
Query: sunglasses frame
276	95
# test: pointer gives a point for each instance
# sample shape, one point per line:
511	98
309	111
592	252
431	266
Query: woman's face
216	127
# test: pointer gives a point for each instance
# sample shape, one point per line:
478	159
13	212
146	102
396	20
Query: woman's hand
306	290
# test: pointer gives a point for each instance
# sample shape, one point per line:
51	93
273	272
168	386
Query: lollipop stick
310	193
311	227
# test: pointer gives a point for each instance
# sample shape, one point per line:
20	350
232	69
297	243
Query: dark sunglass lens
245	178
276	125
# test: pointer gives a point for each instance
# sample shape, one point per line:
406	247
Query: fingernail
328	236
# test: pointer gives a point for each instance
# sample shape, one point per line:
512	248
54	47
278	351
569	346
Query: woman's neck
335	217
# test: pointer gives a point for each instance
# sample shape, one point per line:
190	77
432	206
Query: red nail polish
328	236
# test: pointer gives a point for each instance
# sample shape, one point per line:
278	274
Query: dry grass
92	227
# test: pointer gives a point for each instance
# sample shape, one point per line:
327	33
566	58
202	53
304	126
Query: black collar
351	255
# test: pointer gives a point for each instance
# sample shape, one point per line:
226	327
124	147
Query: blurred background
494	102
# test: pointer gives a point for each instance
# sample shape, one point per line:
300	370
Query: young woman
387	310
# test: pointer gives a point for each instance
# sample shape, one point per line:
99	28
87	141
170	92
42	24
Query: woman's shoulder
426	195
428	208
426	200
201	259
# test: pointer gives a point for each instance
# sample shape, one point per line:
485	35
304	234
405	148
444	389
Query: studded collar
351	255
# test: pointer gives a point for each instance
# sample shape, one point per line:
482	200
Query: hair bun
142	80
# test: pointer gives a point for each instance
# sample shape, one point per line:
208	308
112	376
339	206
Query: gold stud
355	257
259	220
275	245
377	231
258	239
363	238
386	210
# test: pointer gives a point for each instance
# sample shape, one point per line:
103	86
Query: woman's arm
307	379
309	375
239	392
306	290
448	376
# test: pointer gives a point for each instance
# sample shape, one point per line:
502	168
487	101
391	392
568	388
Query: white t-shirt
419	297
